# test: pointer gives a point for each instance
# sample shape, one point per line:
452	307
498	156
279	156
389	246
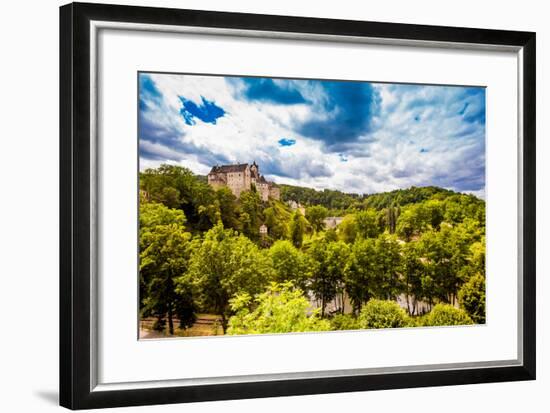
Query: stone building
241	177
332	222
296	205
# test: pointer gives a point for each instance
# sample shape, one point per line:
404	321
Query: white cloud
418	137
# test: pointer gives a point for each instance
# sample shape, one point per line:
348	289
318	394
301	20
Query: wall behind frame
29	205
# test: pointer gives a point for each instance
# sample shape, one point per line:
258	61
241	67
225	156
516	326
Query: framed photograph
258	206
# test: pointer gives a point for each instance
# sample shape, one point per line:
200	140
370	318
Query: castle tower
254	171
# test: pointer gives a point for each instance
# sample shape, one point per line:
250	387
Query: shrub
447	315
383	314
290	264
416	321
472	298
344	322
280	309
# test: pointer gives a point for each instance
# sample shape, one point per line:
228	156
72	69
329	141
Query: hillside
337	200
180	188
205	251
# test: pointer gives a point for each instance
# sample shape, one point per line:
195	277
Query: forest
406	258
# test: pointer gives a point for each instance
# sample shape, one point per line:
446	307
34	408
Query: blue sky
353	136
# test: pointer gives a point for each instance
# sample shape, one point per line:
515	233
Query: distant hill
330	199
338	200
414	194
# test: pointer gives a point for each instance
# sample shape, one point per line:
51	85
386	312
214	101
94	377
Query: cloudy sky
353	136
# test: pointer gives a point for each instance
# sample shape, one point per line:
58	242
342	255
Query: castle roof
239	167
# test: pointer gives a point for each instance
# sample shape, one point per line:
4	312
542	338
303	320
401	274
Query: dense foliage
223	265
383	314
446	315
202	252
280	309
164	257
472	298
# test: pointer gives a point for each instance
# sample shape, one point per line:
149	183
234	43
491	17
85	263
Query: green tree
280	309
434	213
438	278
337	254
161	185
389	218
446	315
383	314
290	264
417	218
251	215
164	256
472	298
223	265
449	256
413	220
413	271
366	223
316	215
331	235
207	207
152	214
475	259
178	187
168	196
297	229
276	225
373	270
458	207
229	208
447	259
454	210
360	273
406	224
388	267
348	229
328	270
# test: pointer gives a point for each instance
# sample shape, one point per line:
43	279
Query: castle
241	177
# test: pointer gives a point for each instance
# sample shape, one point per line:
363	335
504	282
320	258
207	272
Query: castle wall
216	181
275	192
238	182
263	190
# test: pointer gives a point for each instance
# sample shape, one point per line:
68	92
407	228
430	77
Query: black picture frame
75	195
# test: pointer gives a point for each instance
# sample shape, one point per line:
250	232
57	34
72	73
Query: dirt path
148	334
205	325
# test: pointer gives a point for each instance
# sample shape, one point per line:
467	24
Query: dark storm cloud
295	168
344	115
345	135
149	94
280	92
463	174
